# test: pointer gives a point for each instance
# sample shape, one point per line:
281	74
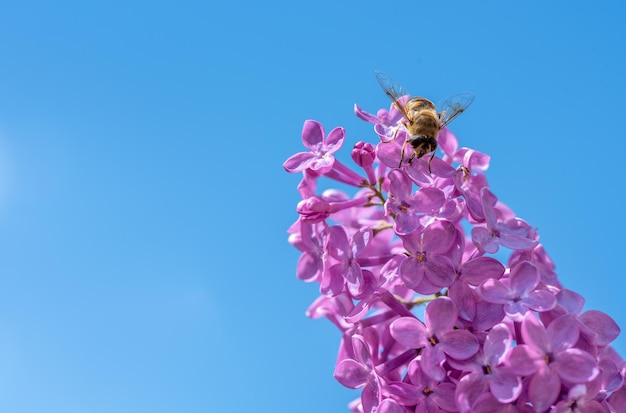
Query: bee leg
395	135
429	161
402	154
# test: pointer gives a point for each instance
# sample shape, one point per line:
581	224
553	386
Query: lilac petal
353	274
447	142
299	162
617	400
422	176
309	267
361	239
400	185
576	366
323	164
351	373
540	300
535	334
497	344
313	135
543	389
524	360
390	406
370	396
494	291
524	278
438	167
412	242
505	385
409	331
479	269
337	243
516	310
443	396
334	140
440	271
360	349
411	272
331	307
465	300
563	332
425	287
405	393
487	315
474	160
611	375
440	315
590	406
438	237
487	403
485	240
469	389
406	223
605	327
489	200
472	200
431	361
571	301
428	200
365	345
515	242
366	116
364	286
459	344
389	153
332	280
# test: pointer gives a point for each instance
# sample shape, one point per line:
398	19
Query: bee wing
453	106
392	89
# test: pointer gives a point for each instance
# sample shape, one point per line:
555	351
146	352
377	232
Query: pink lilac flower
518	293
578	401
427	269
514	234
345	268
309	239
436	336
429	321
471	159
548	355
425	393
385	117
406	206
359	370
488	372
320	158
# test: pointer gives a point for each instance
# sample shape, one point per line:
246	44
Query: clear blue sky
144	265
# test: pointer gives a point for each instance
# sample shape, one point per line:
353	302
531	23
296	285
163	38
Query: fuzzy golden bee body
421	119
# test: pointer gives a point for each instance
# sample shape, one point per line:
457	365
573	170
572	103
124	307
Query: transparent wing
453	106
392	89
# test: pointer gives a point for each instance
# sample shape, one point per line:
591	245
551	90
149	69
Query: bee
421	119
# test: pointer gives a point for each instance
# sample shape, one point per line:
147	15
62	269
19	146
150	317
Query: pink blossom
436	336
320	158
429	321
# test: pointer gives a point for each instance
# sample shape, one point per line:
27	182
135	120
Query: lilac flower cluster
495	336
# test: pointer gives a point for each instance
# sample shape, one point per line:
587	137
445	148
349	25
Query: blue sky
143	206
